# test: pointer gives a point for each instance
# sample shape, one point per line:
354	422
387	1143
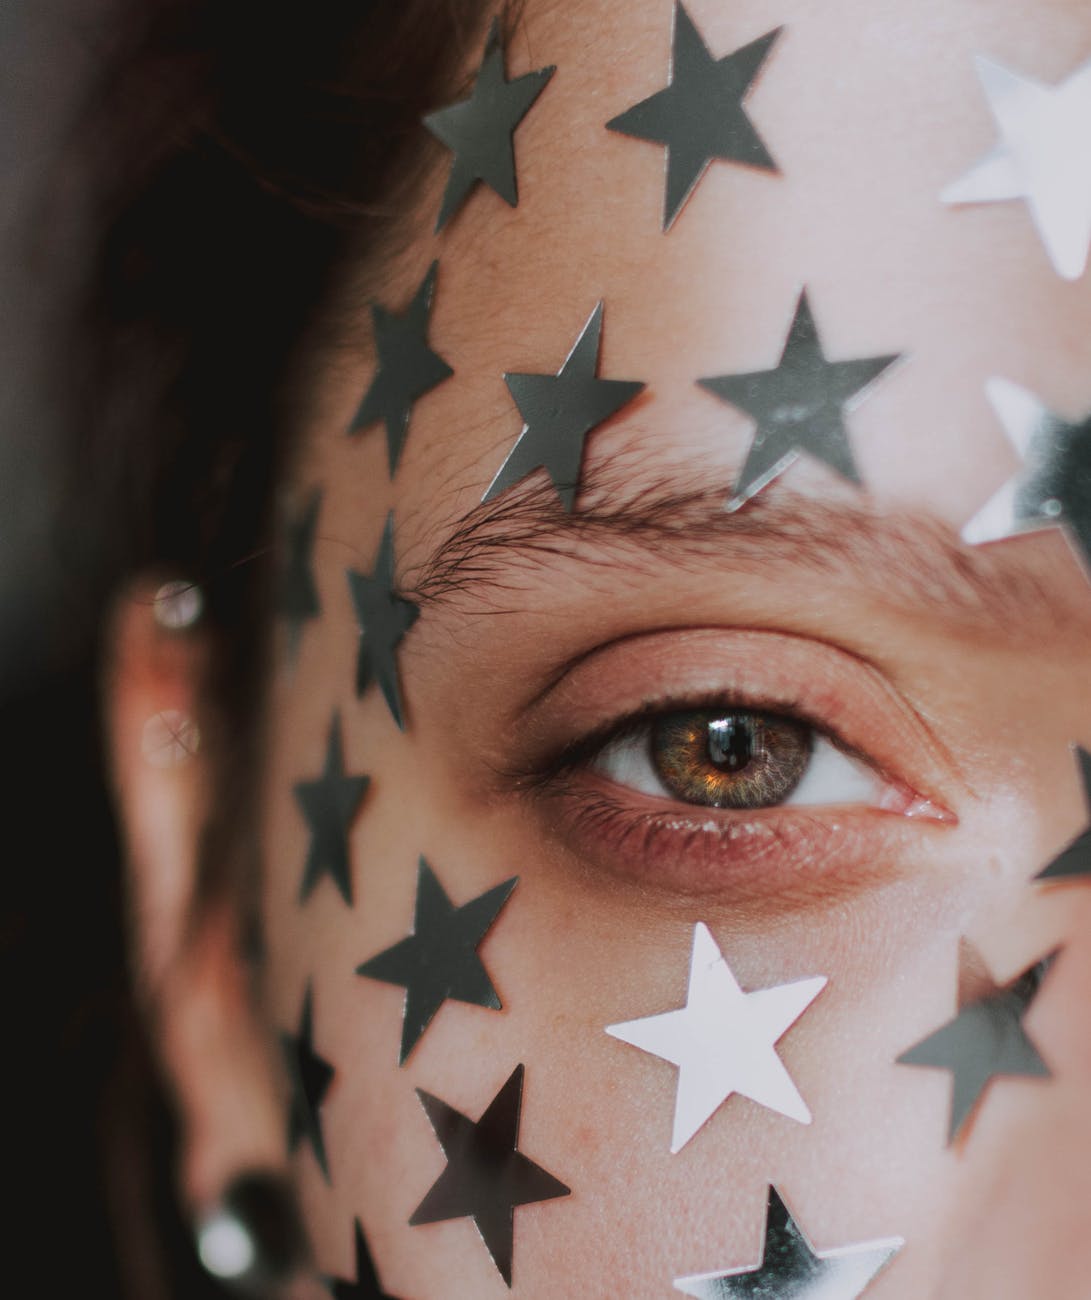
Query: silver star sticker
723	1040
1042	156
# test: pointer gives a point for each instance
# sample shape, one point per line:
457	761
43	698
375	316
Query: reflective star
799	406
984	1041
1074	860
367	1285
699	116
1041	157
408	368
791	1269
723	1040
297	601
486	1176
480	130
1053	487
439	960
384	618
310	1077
330	804
559	412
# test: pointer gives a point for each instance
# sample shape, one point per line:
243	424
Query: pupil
731	743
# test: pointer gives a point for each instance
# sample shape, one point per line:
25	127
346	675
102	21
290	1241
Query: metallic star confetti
329	805
481	130
559	412
799	406
367	1285
985	1041
1041	156
699	115
486	1177
1074	860
384	618
439	960
310	1077
1053	487
791	1268
723	1040
298	600
407	367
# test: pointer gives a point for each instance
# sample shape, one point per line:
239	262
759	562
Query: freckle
588	1138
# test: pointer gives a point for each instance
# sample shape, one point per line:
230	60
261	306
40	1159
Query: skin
971	703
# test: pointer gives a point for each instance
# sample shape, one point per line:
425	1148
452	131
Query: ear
190	970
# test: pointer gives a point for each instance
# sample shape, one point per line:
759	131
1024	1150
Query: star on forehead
330	805
1053	488
559	412
1041	157
407	369
367	1285
384	617
985	1040
723	1040
1074	860
699	115
480	130
298	601
310	1077
791	1268
799	406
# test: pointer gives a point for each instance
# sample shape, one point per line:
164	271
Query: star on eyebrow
699	115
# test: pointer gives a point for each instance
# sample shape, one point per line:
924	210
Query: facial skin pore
958	675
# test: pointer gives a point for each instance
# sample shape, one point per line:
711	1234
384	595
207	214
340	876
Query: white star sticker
1041	156
723	1040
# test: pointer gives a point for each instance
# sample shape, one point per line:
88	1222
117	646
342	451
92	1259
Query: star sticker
408	368
1054	486
310	1077
330	805
384	618
984	1041
1074	861
1041	157
723	1040
367	1285
486	1177
480	130
799	406
298	596
559	412
699	116
439	960
791	1268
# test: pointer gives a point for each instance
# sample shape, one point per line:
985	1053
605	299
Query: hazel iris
730	759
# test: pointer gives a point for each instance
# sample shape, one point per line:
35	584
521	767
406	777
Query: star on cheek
384	617
1074	860
791	1269
298	601
985	1040
724	1040
699	116
480	130
559	412
367	1285
1041	157
408	368
487	1178
439	960
310	1077
330	805
798	407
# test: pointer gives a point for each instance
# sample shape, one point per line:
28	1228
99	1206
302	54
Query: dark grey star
439	960
486	1176
408	368
559	412
480	130
330	804
310	1077
799	406
984	1041
297	595
367	1285
384	618
791	1269
1074	860
699	116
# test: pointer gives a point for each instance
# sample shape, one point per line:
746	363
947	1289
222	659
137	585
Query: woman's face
884	714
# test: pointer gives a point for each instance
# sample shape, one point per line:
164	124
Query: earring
177	605
253	1240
